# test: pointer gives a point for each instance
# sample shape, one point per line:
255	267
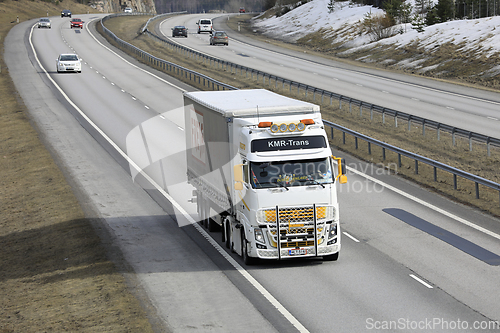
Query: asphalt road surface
455	105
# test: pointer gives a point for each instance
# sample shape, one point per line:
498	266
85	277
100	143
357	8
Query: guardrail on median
409	118
216	85
163	64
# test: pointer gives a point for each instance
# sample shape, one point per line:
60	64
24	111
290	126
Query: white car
68	62
204	25
44	23
128	10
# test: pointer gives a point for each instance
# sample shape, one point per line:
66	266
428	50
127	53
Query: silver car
68	62
44	23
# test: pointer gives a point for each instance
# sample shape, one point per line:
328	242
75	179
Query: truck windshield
291	173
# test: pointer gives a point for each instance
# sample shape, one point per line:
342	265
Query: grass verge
55	274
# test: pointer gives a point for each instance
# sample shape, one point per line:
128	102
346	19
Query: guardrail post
369	148
470	141
371	112
340	102
343	138
423	127
356	142
383	154
453	136
435	174
477	191
488	146
361	109
383	117
438	131
416	167
455	185
409	123
399	160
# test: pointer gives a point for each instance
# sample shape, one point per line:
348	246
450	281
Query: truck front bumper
298	253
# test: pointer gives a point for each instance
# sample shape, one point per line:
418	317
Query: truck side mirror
342	169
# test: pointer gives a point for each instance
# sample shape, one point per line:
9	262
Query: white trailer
264	173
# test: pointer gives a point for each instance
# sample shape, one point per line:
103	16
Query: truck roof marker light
264	124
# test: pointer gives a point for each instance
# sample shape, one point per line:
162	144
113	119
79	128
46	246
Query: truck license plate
297	252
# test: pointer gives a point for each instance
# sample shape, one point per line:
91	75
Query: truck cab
263	170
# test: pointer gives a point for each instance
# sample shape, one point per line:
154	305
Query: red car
76	23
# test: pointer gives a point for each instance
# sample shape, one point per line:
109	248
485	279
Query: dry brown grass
459	156
55	275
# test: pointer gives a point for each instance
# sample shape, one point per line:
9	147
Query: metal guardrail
417	158
216	85
411	119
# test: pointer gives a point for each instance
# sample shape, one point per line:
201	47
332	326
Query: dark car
179	30
219	37
76	23
66	13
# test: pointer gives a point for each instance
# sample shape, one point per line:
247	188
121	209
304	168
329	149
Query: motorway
117	132
471	109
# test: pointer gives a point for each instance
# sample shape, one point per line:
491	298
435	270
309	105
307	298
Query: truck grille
296	225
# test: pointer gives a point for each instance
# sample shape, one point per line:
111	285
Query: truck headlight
259	236
333	231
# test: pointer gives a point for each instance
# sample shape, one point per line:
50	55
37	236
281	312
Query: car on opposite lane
76	23
44	23
68	62
128	10
179	30
219	37
66	13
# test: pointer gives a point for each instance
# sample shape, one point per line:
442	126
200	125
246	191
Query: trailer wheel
228	233
331	257
211	225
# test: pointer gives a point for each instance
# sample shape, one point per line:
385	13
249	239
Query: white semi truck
263	171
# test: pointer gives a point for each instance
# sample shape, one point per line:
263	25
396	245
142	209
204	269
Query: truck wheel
244	252
331	257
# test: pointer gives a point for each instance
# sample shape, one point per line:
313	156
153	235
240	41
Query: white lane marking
147	107
129	63
350	236
426	204
415	99
450	108
174	203
421	281
492	118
